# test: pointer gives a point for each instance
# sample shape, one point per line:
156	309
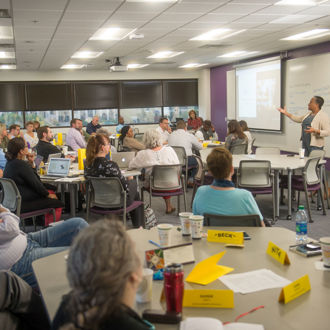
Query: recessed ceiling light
192	65
136	66
113	33
7	54
86	54
299	2
312	34
73	66
151	0
165	54
6	32
292	19
7	66
238	53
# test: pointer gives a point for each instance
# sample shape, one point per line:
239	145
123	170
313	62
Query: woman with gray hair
104	272
155	154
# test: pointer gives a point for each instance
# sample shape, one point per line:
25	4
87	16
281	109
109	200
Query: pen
154	243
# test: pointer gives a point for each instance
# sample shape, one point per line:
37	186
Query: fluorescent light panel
6	32
165	54
7	54
192	65
312	34
238	53
72	66
114	33
136	66
7	66
86	54
299	2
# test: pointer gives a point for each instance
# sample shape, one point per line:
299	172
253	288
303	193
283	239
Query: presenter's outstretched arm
284	111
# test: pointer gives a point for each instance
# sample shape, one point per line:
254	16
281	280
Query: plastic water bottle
301	225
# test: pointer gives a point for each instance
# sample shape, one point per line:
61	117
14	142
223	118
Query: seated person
235	135
103	287
97	165
128	141
206	132
247	133
104	131
120	125
221	197
14	131
3	162
75	138
45	147
164	129
155	154
21	307
194	122
18	250
93	126
34	193
30	136
3	137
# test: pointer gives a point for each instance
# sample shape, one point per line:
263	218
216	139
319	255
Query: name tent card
278	254
222	236
208	298
295	289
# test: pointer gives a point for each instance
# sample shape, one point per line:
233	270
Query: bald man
93	126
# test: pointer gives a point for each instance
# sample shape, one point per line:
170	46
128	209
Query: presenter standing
315	125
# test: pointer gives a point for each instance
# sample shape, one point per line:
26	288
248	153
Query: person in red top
194	122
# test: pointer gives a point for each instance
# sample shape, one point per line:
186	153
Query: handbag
150	217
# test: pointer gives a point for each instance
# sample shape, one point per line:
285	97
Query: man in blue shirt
121	124
221	197
93	126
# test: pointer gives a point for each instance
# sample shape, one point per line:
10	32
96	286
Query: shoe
172	210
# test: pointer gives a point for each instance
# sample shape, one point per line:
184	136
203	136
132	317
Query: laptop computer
123	158
58	167
57	155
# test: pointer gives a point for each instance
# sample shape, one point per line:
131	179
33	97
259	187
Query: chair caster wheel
289	217
319	208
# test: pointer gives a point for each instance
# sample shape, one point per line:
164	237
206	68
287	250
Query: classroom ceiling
46	33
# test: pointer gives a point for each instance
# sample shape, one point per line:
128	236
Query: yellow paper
208	298
208	271
81	157
118	135
54	142
205	144
278	254
222	236
295	289
59	139
216	142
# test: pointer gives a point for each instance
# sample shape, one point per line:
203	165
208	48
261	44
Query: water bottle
301	225
173	287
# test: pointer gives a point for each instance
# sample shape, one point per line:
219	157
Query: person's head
95	120
76	123
3	130
14	129
29	126
36	125
220	163
316	103
207	125
44	133
103	131
235	128
103	269
17	148
192	114
126	131
152	139
121	120
98	144
244	125
163	123
180	124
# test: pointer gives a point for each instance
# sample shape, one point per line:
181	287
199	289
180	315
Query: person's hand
169	129
283	110
52	196
30	158
312	130
1	173
129	178
1	221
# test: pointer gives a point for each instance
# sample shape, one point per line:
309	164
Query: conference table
309	311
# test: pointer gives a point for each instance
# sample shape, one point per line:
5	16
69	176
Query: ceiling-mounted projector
116	66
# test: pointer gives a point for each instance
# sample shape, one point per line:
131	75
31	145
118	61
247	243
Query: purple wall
218	77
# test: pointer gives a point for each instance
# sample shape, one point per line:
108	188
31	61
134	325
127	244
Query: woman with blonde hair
97	165
3	137
104	272
30	137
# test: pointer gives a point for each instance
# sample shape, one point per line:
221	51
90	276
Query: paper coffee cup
144	291
325	245
185	223
65	150
164	231
302	153
196	222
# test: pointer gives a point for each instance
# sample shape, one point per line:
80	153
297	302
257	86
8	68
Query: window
178	112
14	117
141	115
107	116
54	118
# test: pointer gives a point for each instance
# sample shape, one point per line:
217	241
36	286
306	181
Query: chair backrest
249	220
317	153
204	153
200	168
254	173
268	151
10	196
239	149
311	171
166	177
139	137
105	192
181	153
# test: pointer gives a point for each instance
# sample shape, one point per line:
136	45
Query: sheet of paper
243	326
68	179
254	281
181	254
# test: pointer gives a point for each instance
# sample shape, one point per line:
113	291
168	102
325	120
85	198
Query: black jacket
45	149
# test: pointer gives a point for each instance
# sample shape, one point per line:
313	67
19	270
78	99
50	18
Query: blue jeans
44	243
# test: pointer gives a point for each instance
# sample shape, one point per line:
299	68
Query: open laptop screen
59	166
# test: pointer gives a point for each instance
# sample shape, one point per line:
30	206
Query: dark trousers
192	162
137	215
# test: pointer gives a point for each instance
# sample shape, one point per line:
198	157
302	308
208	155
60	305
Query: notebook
58	167
123	158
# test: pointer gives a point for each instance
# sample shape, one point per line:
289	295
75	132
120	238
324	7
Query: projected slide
258	95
